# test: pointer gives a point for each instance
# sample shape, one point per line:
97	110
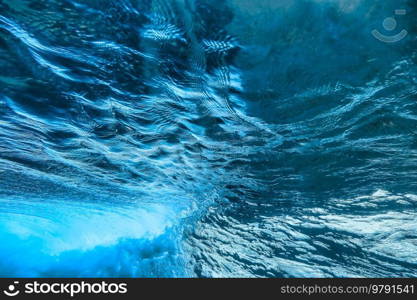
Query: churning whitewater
208	138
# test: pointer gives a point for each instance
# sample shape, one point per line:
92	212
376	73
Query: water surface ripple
207	138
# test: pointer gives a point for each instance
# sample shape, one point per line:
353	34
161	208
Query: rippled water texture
207	138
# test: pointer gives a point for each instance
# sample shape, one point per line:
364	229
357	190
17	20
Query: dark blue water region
208	138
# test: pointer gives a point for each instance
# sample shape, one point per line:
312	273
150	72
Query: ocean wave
174	138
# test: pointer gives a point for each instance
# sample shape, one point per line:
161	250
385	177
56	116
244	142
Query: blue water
207	138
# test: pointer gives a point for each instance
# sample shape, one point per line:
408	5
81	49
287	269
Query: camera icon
390	24
11	290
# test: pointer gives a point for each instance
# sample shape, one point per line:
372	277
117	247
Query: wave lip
56	238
